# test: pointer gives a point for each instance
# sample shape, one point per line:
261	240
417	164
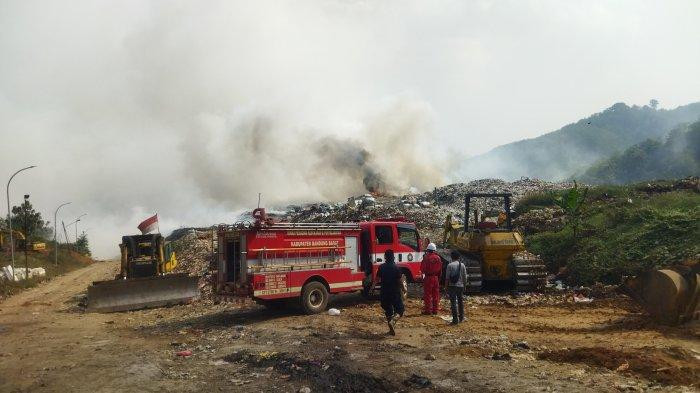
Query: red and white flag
149	224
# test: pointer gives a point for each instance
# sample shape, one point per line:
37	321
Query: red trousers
431	294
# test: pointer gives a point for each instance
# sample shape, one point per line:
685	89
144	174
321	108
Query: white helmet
431	247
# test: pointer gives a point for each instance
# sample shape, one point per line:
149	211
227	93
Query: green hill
574	148
675	157
624	230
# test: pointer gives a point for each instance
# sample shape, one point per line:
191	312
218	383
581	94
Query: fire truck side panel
270	286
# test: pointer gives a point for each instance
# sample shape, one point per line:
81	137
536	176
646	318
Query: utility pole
76	225
55	243
26	240
77	220
9	216
65	233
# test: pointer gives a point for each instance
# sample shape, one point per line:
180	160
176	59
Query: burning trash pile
429	209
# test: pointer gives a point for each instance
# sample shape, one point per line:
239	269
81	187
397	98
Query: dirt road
535	343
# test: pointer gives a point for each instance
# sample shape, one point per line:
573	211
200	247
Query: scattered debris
521	345
418	381
501	356
184	353
333	312
579	298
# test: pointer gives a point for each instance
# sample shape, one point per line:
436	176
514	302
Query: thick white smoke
232	158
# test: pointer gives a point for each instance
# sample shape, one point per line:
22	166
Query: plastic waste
334	312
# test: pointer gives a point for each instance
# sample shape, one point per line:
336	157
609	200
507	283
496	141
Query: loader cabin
272	262
504	217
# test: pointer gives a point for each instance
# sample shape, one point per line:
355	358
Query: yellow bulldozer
493	252
145	279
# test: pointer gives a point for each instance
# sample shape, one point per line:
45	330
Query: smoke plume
233	158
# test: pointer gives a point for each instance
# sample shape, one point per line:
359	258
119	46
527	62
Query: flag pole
157	223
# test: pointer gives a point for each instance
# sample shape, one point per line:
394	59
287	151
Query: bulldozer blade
137	293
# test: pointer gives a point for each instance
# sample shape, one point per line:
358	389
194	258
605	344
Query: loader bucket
668	296
137	293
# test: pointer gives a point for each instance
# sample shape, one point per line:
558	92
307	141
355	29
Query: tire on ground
314	297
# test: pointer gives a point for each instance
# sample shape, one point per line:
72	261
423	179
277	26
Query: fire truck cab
274	262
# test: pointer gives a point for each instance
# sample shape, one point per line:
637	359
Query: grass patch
624	232
67	261
536	200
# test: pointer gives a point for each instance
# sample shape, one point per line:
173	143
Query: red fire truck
272	262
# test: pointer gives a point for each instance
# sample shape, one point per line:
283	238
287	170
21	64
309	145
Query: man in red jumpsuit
431	267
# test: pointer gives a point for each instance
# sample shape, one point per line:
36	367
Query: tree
82	245
653	103
26	219
572	201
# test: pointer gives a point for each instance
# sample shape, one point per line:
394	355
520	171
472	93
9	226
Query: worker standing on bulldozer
431	266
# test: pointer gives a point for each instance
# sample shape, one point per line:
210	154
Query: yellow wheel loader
20	241
145	280
671	296
493	252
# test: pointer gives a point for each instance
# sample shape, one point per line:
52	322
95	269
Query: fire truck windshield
384	234
408	236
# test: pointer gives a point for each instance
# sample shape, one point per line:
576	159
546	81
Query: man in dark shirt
390	293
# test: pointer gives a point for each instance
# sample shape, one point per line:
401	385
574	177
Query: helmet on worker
431	247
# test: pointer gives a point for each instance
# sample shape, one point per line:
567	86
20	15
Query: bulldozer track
530	271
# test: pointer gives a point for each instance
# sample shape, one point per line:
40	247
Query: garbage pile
20	273
689	183
537	220
193	251
429	209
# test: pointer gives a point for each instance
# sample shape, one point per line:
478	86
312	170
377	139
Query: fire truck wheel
314	297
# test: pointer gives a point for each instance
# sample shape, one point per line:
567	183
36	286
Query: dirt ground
528	344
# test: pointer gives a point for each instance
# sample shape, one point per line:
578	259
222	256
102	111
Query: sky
189	109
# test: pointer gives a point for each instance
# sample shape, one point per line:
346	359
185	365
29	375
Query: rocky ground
531	343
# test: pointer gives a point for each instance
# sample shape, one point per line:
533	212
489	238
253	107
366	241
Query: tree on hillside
653	103
82	245
571	202
26	219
